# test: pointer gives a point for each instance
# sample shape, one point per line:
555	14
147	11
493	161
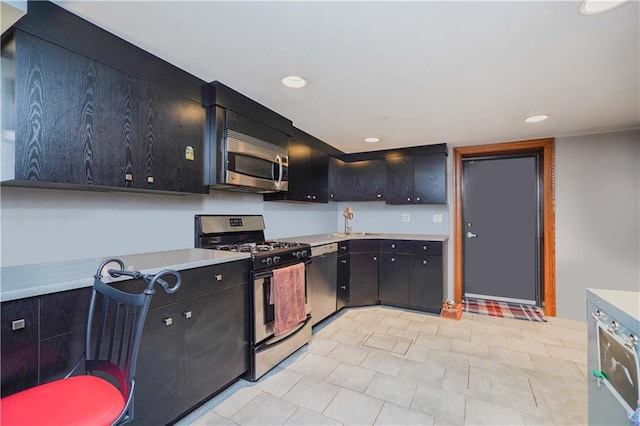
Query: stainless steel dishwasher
322	279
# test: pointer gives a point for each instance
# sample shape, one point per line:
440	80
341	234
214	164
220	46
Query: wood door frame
547	241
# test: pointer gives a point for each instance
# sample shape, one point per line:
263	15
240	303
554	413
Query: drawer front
363	246
396	246
198	281
343	247
432	248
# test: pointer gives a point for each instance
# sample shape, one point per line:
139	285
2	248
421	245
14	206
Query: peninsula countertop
336	237
17	282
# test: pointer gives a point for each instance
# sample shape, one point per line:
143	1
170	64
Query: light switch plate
437	218
405	218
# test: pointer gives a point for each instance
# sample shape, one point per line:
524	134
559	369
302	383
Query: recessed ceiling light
372	140
594	7
536	118
294	81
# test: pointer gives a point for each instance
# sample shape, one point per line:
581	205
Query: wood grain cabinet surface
79	122
419	179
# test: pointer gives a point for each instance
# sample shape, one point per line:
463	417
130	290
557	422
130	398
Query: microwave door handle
279	162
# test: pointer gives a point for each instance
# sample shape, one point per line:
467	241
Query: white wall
597	217
41	225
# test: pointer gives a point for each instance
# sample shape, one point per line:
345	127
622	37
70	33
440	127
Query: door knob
471	235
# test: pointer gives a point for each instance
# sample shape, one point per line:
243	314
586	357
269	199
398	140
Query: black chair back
114	328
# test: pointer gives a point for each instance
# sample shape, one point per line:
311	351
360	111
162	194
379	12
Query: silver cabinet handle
393	246
343	247
186	314
417	198
375	258
343	287
167	321
149	179
18	324
218	277
471	235
128	177
393	259
343	261
424	262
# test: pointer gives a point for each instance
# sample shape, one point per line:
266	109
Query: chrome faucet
348	215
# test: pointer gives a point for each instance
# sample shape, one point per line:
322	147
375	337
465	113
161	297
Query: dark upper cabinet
339	180
369	179
419	179
171	141
84	124
308	172
357	181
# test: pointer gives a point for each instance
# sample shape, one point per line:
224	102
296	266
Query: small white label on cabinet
437	218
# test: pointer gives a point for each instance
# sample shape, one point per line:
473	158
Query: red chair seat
78	400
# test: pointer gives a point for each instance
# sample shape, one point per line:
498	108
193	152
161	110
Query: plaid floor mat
503	309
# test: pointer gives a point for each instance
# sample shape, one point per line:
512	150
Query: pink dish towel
287	297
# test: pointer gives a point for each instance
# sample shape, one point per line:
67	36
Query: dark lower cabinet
343	290
393	279
425	283
19	350
363	272
363	279
194	342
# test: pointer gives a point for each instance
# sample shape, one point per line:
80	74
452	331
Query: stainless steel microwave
254	164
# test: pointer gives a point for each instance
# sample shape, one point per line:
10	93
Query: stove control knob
269	261
276	259
304	253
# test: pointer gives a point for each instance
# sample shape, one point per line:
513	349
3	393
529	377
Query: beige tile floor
386	366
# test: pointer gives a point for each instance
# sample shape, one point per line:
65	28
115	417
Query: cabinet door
363	279
319	179
394	278
63	318
339	180
172	141
342	296
214	342
426	283
369	180
77	120
399	180
20	346
158	368
430	178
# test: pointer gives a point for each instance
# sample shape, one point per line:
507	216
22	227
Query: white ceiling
411	73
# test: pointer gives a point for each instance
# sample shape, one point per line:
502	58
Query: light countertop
335	237
628	302
17	282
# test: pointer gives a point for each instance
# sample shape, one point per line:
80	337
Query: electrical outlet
437	218
405	218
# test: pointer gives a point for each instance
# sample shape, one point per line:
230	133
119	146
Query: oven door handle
287	337
269	273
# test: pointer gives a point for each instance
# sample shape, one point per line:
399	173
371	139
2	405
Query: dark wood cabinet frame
548	238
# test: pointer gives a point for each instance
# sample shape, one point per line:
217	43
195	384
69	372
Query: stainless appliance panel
322	281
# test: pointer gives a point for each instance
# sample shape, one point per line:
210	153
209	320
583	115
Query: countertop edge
321	239
23	281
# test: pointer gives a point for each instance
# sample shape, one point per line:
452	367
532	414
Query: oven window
251	166
269	313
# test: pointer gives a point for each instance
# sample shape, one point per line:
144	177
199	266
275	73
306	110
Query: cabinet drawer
432	248
343	247
363	246
396	246
198	281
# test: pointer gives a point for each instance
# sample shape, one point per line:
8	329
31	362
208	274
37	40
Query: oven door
255	163
263	311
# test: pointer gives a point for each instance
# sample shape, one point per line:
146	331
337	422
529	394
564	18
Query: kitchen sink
352	234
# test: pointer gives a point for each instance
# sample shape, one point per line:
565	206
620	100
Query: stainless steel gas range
246	234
